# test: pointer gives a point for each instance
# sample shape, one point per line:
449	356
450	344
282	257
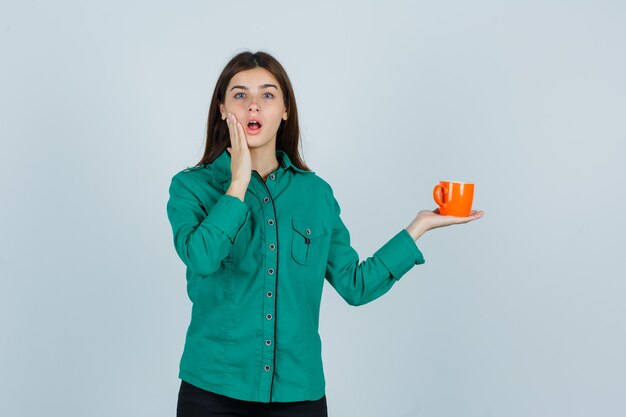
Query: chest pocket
307	240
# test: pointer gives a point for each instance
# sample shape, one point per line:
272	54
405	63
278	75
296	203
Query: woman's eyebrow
243	87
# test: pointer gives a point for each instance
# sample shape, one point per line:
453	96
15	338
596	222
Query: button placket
268	213
263	191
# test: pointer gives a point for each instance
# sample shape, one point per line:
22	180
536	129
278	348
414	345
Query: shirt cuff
228	215
400	254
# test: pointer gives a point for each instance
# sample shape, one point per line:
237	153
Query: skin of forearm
237	189
415	230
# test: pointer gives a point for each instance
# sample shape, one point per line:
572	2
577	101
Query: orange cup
454	198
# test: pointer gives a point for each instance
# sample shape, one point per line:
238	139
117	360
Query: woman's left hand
427	220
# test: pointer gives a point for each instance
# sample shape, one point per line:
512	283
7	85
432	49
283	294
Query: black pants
197	402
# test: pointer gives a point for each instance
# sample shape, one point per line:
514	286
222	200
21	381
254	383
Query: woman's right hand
240	161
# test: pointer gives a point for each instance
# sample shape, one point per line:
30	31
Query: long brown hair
217	134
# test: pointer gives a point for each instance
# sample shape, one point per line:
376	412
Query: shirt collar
221	165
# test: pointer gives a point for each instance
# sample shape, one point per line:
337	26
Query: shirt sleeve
203	239
358	282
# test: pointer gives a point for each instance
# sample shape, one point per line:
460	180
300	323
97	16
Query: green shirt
255	273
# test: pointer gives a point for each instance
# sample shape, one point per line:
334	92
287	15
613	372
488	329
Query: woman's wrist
415	230
237	189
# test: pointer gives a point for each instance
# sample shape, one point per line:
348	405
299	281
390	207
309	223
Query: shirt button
272	176
308	231
269	316
269	293
266	199
270	271
272	246
266	367
268	342
270	221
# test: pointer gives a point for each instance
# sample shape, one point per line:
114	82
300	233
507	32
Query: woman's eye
265	93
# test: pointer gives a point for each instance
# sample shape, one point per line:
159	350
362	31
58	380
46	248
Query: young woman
259	232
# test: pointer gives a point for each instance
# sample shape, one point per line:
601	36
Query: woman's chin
256	141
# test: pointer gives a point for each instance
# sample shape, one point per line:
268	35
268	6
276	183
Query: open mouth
254	125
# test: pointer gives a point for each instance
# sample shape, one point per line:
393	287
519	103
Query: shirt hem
236	394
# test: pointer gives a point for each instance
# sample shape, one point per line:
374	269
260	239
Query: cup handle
439	200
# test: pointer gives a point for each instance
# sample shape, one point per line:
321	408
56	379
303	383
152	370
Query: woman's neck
264	162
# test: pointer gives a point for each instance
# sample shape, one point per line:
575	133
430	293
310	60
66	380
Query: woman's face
255	94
